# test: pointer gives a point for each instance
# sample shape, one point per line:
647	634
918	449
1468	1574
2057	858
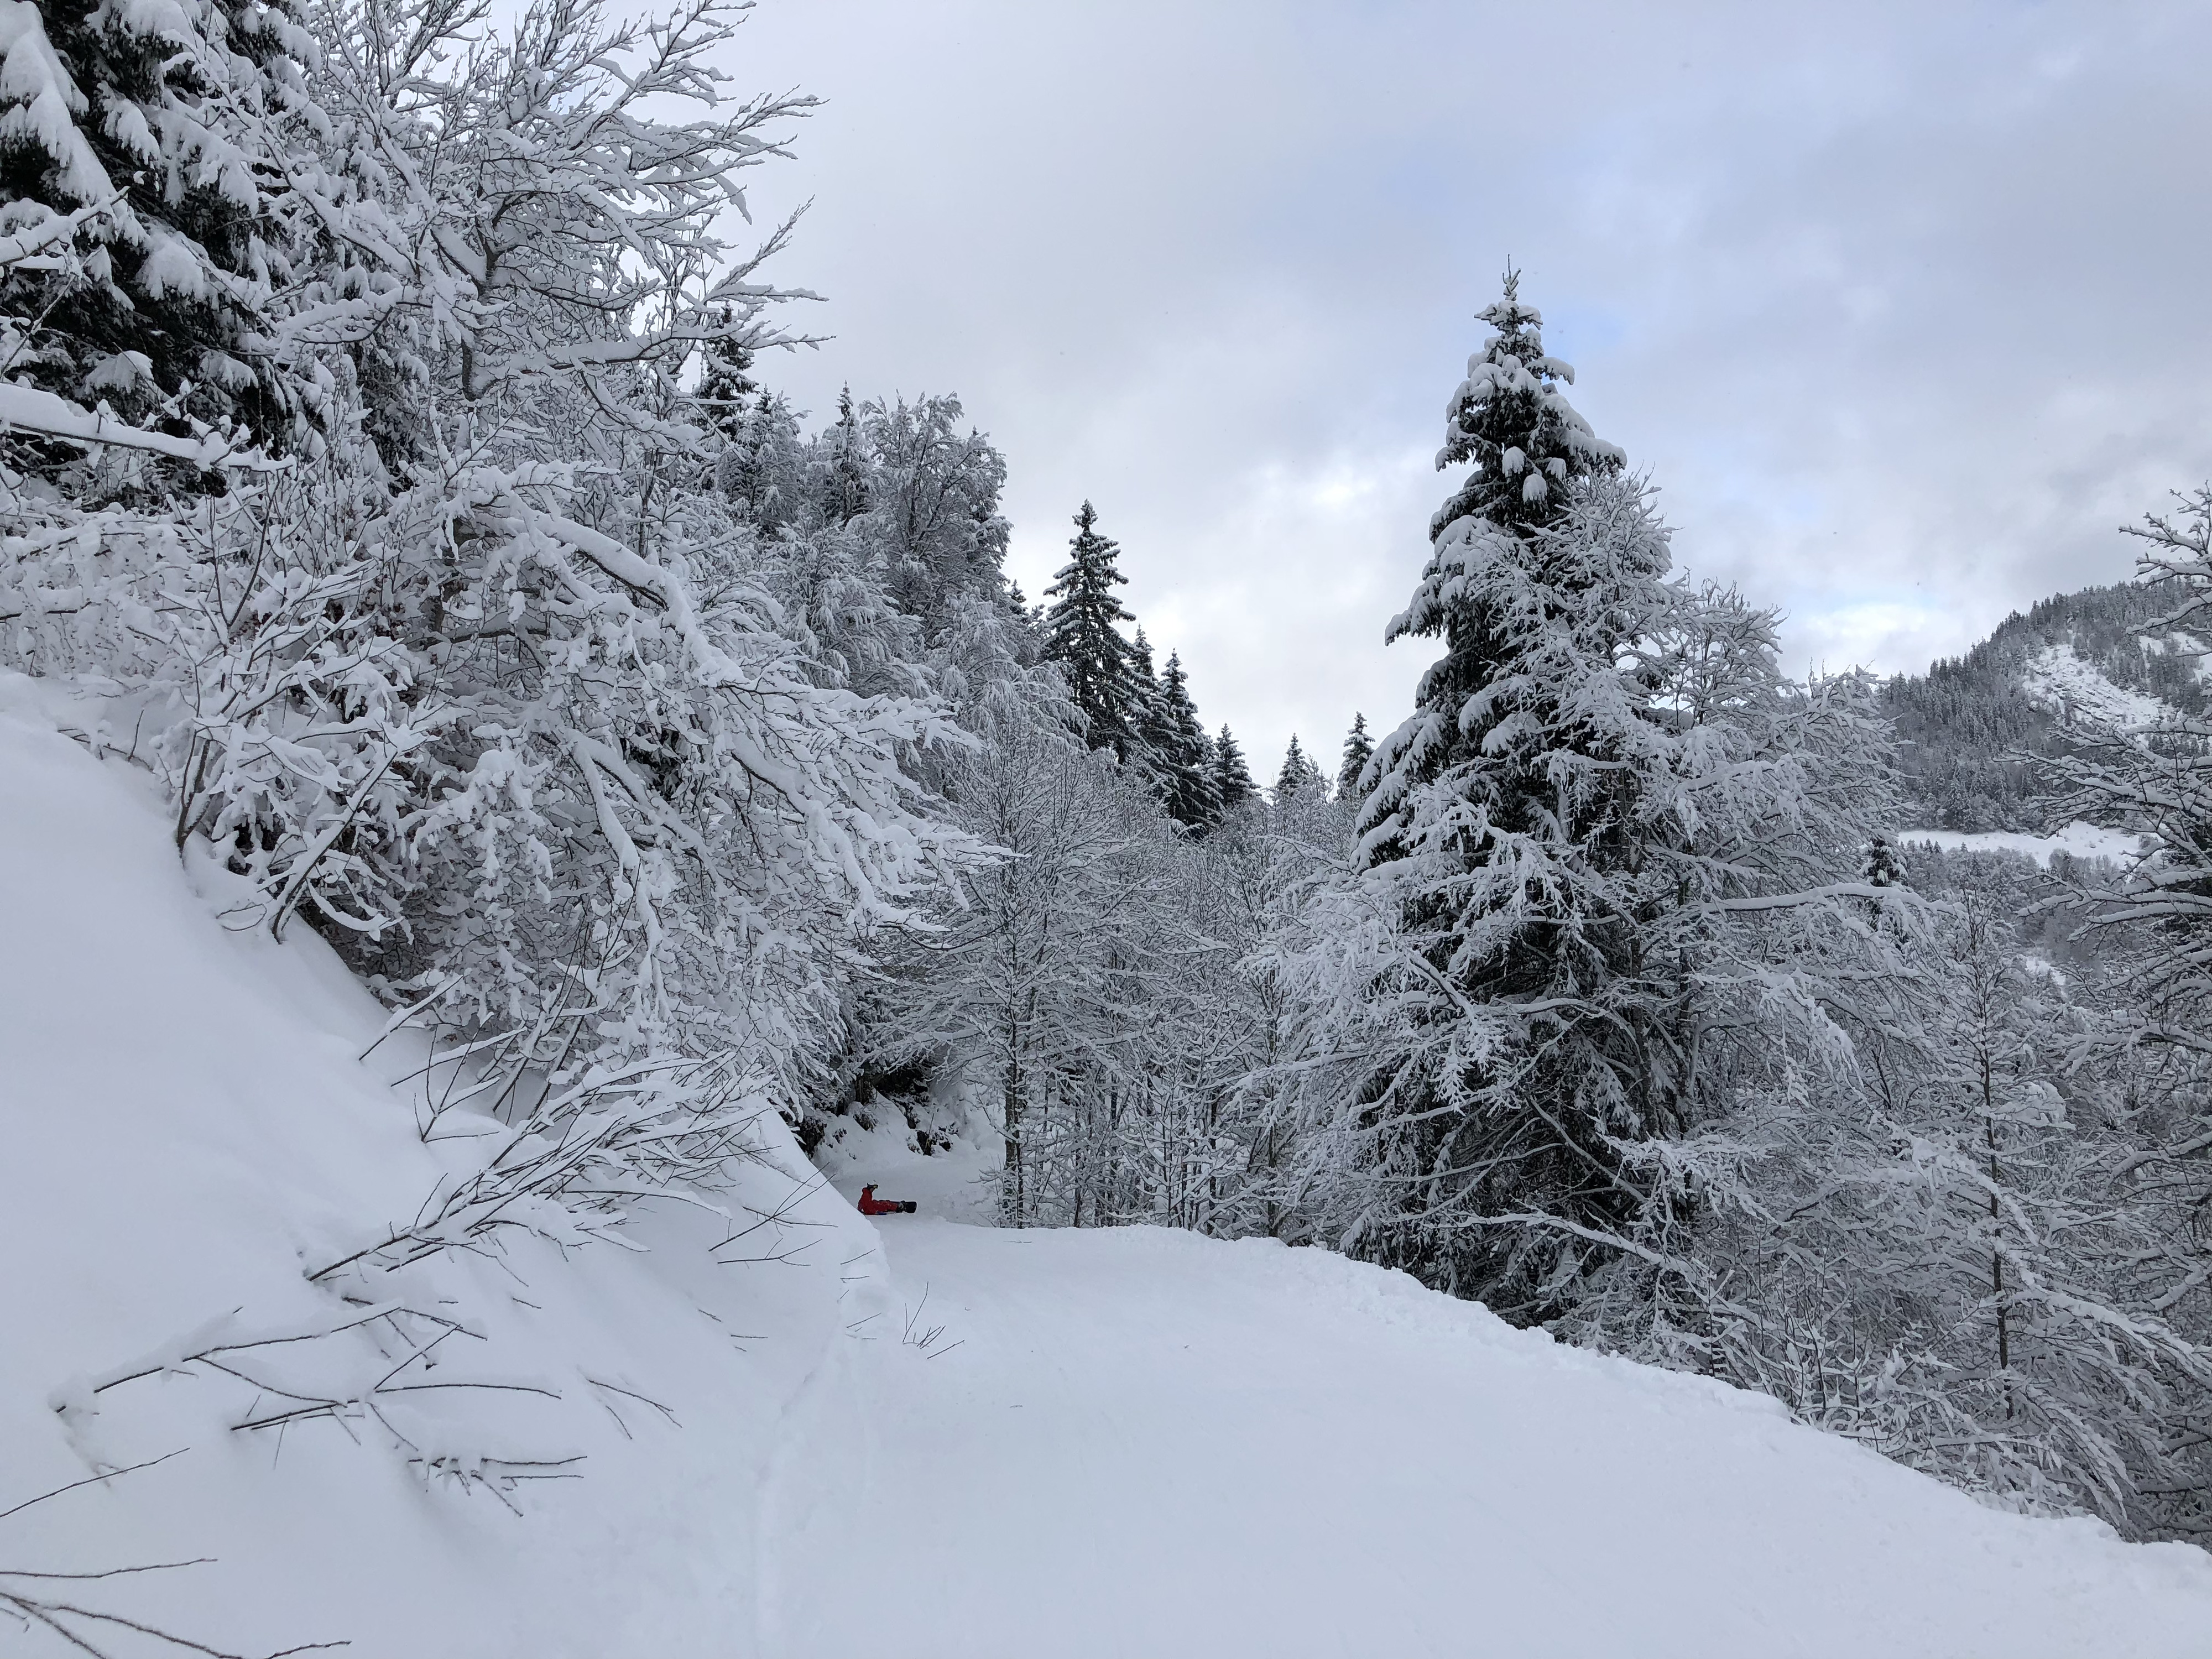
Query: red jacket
871	1205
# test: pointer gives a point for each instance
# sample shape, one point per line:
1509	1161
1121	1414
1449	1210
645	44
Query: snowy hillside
2059	679
187	1131
1123	1441
2075	666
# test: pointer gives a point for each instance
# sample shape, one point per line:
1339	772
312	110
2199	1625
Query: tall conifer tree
1232	777
1512	814
1193	792
1081	635
1357	746
845	494
1510	418
726	384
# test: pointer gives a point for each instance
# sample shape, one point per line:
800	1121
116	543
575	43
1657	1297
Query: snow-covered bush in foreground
481	676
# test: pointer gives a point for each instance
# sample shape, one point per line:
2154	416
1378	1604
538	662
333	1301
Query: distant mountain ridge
2074	662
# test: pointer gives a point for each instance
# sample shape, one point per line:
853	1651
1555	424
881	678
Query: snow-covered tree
1514	814
1184	755
1529	450
1611	902
934	502
155	228
845	492
1357	747
1298	772
1083	635
725	386
1149	731
1014	996
2152	920
1232	776
512	712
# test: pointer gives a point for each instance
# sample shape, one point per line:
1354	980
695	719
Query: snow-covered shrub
534	741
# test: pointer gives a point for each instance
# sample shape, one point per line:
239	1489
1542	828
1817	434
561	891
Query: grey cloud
1903	305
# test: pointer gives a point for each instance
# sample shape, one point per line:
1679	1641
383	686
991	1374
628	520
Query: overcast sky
1904	307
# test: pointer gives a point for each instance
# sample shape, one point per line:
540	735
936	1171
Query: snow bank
2078	839
186	1126
932	1439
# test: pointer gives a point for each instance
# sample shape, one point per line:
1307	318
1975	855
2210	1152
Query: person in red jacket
871	1205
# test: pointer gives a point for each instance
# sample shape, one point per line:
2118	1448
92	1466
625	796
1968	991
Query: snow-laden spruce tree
142	146
1358	747
1233	783
845	492
1183	755
1083	635
1168	747
1611	903
1510	822
726	387
1299	771
1528	450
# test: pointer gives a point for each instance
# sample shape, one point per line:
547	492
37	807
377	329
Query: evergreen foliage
845	493
1184	756
1298	772
1358	748
144	153
726	384
1232	776
1081	634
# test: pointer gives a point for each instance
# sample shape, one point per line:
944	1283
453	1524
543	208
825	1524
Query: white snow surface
2079	839
2059	678
1129	1441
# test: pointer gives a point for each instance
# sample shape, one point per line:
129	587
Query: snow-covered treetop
1081	633
1509	418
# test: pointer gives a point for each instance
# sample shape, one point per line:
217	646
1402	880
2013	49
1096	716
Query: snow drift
755	1437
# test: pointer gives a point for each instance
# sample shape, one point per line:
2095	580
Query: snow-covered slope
2060	679
1082	1443
1149	1442
184	1125
2075	667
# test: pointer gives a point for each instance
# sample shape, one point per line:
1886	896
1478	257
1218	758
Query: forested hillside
397	490
1970	730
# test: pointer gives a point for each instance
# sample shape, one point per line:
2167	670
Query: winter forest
394	474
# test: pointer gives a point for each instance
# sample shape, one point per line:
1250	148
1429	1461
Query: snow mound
2077	840
835	1439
